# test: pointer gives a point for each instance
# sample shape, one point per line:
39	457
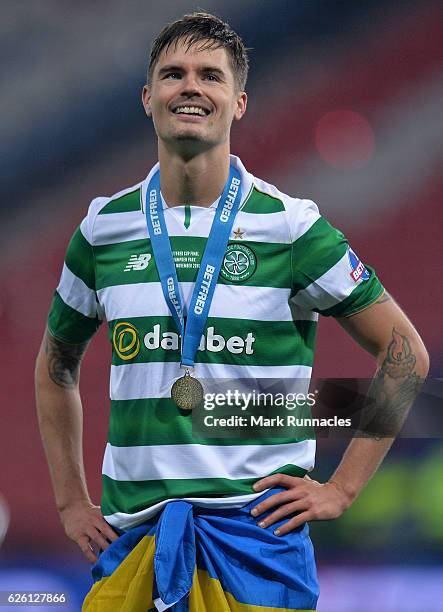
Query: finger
276	479
293	523
83	542
280	513
106	530
96	537
270	481
271	501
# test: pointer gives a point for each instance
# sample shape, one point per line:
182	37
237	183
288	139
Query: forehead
180	54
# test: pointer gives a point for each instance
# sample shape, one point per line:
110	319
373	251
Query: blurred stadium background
346	108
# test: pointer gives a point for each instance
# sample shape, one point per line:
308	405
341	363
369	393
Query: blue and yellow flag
193	559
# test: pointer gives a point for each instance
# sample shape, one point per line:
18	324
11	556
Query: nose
191	84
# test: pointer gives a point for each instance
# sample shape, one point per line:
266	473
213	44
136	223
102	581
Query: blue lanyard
210	264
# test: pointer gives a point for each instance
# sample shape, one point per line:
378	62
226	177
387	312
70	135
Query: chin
190	142
190	133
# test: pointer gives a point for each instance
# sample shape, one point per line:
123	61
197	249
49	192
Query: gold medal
187	392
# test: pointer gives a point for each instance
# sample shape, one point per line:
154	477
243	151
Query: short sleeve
328	276
75	313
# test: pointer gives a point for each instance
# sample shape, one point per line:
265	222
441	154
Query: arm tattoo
64	361
392	391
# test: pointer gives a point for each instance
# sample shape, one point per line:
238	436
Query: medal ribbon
211	262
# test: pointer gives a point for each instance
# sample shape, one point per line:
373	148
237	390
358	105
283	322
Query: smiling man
204	271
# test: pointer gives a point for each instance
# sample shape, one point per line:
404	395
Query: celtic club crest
239	263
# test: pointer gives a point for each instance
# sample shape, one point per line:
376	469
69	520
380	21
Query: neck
199	180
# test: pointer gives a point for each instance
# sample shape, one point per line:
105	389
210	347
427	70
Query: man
207	524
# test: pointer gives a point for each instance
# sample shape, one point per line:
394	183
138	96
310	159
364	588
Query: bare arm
402	365
60	417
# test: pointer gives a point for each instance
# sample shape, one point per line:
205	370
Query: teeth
190	110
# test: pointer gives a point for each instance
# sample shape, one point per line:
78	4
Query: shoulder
299	213
109	210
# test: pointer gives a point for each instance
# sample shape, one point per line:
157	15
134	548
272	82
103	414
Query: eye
211	77
172	75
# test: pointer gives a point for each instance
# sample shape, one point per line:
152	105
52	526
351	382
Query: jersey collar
247	180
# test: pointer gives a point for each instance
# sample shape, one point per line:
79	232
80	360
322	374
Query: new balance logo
138	262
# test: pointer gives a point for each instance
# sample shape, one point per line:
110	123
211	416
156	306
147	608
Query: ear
146	100
241	104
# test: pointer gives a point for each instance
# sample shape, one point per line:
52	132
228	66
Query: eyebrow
176	68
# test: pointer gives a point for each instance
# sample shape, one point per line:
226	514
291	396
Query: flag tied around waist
195	559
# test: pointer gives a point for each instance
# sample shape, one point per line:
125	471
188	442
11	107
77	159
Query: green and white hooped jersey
283	265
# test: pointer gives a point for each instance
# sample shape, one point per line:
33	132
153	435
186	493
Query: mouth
191	110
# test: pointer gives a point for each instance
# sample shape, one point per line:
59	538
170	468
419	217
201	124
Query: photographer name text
288	420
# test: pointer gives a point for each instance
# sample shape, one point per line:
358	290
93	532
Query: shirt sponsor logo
358	270
138	262
239	263
126	341
210	341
